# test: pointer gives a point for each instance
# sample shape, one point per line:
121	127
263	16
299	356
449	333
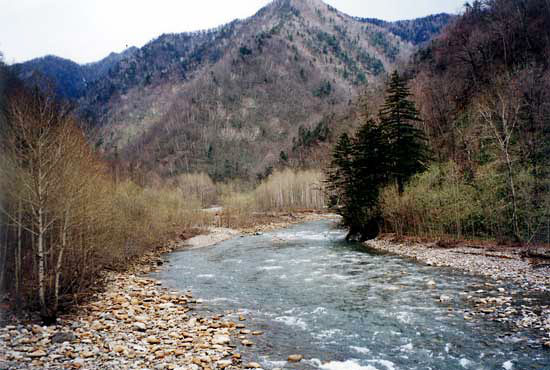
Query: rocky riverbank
135	323
519	295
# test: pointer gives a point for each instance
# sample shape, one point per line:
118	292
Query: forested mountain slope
71	80
212	100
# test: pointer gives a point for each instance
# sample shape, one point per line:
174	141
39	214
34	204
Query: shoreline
134	322
504	266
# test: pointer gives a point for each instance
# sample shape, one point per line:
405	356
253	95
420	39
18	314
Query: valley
301	188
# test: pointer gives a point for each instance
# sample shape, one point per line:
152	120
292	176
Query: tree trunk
18	258
513	193
3	255
58	264
41	264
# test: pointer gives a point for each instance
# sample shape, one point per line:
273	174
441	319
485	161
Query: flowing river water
343	306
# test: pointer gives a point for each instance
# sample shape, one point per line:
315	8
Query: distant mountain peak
212	100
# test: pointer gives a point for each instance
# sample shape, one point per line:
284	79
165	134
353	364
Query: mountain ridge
210	100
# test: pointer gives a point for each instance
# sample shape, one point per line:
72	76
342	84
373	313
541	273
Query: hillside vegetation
276	83
482	88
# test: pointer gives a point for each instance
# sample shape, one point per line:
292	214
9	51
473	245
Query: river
343	306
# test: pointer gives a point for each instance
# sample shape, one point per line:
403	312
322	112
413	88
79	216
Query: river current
343	306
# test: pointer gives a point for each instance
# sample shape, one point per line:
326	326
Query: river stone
246	342
36	329
140	326
220	339
87	354
295	358
222	364
63	337
37	353
120	300
152	340
96	325
196	361
253	365
444	298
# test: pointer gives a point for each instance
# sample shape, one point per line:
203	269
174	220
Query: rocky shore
518	293
135	323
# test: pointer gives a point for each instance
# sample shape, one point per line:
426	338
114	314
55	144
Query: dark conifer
379	154
408	152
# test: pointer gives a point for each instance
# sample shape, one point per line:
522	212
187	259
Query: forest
479	94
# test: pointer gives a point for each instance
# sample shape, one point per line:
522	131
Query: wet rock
221	339
257	332
246	342
295	358
444	298
63	337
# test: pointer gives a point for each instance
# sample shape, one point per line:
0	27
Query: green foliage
408	153
372	64
283	157
379	40
308	137
244	51
443	202
416	31
324	90
390	150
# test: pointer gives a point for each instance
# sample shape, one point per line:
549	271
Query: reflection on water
344	307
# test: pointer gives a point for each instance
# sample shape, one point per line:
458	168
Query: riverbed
343	306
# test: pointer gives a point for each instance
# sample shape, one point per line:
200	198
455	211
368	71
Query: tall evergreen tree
390	150
408	152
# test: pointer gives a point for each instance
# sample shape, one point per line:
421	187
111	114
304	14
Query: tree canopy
383	151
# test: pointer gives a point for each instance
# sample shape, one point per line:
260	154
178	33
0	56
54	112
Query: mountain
416	31
238	99
71	80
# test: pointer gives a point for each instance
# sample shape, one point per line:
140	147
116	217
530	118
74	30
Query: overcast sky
88	30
